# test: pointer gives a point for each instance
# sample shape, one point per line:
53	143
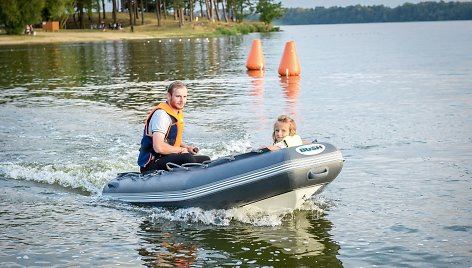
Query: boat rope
206	162
229	158
149	175
121	176
193	164
169	164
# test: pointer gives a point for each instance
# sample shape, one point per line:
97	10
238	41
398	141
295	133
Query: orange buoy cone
255	60
289	65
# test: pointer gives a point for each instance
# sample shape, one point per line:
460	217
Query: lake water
395	98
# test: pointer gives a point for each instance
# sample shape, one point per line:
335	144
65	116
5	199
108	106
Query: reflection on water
164	245
301	240
124	74
257	92
291	88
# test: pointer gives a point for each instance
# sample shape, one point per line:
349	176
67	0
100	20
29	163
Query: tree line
15	14
424	11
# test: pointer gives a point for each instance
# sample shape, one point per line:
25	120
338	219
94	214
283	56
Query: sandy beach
169	29
65	36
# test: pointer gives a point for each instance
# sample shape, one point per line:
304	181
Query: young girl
285	134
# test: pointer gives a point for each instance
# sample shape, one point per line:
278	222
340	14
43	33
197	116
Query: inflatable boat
271	180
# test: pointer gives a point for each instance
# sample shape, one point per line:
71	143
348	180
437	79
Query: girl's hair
175	85
285	119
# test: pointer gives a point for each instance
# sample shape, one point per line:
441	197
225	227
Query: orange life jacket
173	135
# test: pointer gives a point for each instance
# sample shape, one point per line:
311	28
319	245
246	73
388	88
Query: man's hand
192	149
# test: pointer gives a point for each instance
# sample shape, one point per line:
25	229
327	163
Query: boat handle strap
192	164
169	164
312	175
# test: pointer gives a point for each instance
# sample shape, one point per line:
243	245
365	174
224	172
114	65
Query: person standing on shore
162	137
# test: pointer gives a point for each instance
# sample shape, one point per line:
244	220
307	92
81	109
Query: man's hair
174	85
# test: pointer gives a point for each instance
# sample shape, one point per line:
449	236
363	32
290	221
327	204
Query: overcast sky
329	3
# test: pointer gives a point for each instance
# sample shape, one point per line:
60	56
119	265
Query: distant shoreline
423	11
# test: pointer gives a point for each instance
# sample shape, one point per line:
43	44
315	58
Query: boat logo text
310	149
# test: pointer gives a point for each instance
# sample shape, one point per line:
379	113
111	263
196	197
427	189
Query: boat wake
88	179
220	217
90	175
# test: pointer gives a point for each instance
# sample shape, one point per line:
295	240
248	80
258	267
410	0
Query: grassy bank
169	28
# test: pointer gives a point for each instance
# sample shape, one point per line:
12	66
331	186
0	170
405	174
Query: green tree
240	9
54	9
16	14
269	11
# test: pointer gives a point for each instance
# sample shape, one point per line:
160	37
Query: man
162	137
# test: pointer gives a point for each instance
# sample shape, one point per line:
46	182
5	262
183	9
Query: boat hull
273	180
